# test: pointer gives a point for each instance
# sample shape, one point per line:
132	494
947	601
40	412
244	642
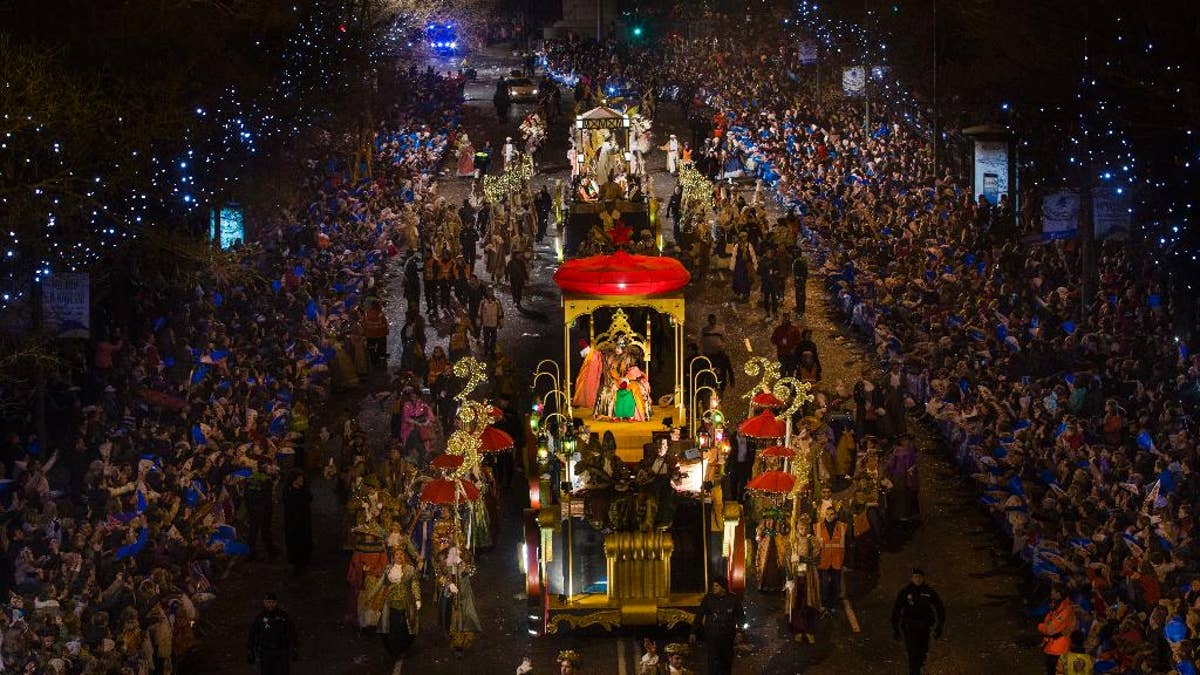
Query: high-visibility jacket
1056	628
833	548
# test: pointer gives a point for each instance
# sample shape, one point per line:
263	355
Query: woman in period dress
587	384
466	157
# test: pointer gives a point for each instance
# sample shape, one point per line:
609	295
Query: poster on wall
228	225
1060	215
66	305
808	53
1112	215
854	80
991	169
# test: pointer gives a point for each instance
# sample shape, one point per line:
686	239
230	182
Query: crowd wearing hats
1071	414
160	466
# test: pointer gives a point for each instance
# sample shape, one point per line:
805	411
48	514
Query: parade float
627	525
607	144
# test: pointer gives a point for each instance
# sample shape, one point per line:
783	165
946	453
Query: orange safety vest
1056	629
833	549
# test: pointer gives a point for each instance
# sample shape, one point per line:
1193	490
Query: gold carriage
582	568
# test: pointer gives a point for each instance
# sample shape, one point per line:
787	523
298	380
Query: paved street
954	544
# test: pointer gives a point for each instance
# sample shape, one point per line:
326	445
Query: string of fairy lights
1149	165
74	205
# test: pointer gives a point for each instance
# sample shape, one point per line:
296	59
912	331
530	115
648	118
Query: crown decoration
621	334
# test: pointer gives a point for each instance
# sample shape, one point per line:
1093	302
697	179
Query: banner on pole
854	80
808	53
1111	213
1060	215
991	170
66	305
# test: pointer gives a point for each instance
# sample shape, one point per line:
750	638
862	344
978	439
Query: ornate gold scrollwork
608	618
669	617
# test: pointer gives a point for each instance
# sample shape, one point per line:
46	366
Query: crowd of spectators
1072	415
160	467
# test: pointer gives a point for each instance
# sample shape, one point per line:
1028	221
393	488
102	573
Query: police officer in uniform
718	621
272	643
917	611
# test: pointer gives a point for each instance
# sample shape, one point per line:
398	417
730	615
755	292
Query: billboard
991	169
854	80
1060	214
228	225
66	305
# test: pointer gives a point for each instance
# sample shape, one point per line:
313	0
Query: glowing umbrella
447	462
772	481
449	491
494	440
777	451
763	425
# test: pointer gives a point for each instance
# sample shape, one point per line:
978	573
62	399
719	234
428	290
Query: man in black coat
800	280
272	643
917	611
543	203
260	509
718	621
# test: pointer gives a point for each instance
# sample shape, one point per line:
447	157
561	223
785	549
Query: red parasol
496	413
449	491
447	462
763	425
765	399
777	451
772	481
494	440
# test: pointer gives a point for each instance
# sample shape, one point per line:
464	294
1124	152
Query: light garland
697	189
473	416
496	188
769	371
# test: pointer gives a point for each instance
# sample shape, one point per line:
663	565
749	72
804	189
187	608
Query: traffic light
637	31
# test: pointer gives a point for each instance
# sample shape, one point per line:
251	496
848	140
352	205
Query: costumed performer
771	552
399	623
466	157
802	588
587	384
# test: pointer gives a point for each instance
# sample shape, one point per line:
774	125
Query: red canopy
622	274
494	440
763	425
765	399
772	481
449	491
448	462
777	451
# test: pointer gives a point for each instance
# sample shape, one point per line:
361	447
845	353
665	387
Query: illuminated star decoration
620	233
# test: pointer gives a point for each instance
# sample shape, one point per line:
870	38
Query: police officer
718	621
272	641
918	610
